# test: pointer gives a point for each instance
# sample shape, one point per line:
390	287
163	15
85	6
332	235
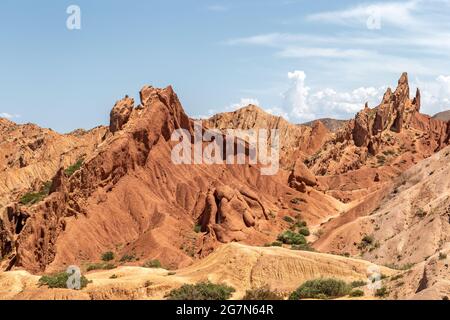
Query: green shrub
304	231
100	266
288	219
321	289
356	293
357	284
108	256
197	228
442	256
75	167
31	198
114	276
128	258
262	293
59	280
300	224
289	237
382	292
152	264
201	291
275	244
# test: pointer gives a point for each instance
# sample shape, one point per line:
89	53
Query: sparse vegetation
290	237
201	291
114	276
297	201
288	219
59	280
357	284
356	293
368	243
31	198
406	266
274	244
421	213
108	256
128	258
442	256
382	292
74	167
262	293
197	228
100	266
321	289
304	231
152	264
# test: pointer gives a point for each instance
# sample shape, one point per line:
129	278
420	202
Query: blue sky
298	58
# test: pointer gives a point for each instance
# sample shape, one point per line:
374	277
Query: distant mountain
444	116
332	124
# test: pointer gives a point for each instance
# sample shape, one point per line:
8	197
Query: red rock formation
130	198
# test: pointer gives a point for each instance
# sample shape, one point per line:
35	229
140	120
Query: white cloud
295	98
8	115
435	95
399	14
244	102
304	105
241	104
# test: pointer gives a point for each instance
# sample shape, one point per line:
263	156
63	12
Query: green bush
152	264
201	291
321	289
442	256
197	228
128	258
356	293
304	231
288	219
300	224
382	292
290	237
108	256
357	284
262	293
59	280
75	167
31	198
100	266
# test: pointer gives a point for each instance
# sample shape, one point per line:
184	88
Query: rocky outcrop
301	177
296	141
229	213
120	114
394	113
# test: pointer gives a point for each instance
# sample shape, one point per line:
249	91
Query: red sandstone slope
129	198
364	162
30	155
